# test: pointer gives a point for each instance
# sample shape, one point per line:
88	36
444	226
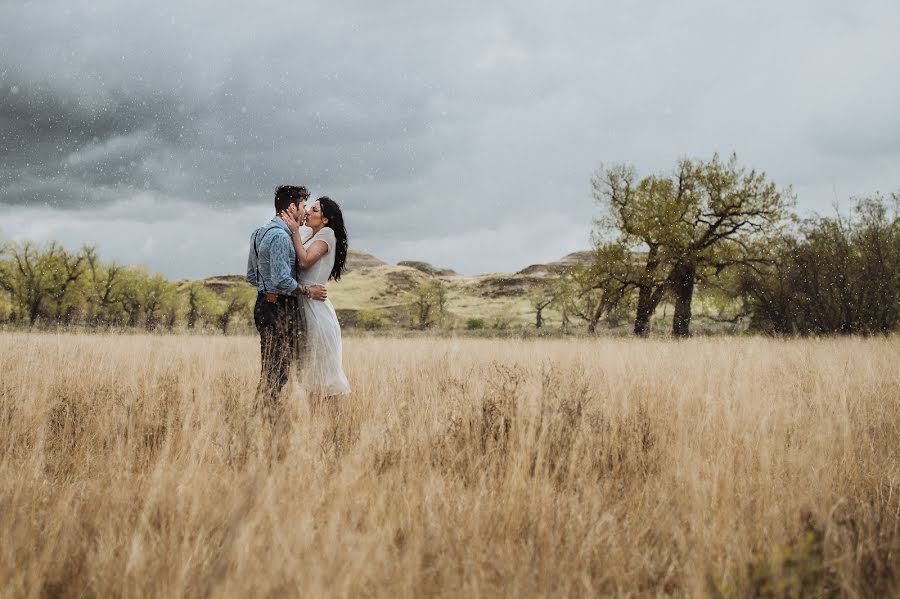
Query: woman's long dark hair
332	212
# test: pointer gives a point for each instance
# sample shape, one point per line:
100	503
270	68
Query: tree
876	235
67	281
37	280
840	275
160	302
593	291
644	215
426	303
201	303
540	298
20	278
103	284
705	217
130	295
235	300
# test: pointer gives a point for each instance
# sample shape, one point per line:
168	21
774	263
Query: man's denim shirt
277	261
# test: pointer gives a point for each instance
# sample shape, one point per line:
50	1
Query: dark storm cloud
217	111
442	129
38	112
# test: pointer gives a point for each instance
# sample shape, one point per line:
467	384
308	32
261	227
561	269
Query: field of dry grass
132	465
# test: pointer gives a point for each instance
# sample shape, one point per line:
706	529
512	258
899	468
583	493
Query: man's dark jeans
281	332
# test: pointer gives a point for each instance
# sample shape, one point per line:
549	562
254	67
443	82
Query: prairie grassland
133	465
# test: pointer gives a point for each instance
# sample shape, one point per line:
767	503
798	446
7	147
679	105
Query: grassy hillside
497	298
369	284
500	300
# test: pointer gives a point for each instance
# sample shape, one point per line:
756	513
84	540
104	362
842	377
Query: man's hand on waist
316	292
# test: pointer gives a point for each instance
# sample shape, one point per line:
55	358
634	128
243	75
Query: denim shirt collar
277	221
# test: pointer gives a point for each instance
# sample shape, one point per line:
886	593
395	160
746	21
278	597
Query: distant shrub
371	319
502	322
475	324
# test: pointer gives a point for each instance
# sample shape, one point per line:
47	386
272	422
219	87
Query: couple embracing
291	258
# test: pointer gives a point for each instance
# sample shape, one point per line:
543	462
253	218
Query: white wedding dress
320	365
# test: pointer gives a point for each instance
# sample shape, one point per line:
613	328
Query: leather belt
274	298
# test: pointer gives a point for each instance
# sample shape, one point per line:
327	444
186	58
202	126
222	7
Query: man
271	268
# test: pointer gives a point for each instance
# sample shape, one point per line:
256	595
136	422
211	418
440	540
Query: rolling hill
372	286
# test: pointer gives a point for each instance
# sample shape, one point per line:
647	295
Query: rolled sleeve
281	266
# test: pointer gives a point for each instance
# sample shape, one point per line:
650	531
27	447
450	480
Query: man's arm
251	265
280	262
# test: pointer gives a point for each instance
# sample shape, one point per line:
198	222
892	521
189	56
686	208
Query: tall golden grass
133	466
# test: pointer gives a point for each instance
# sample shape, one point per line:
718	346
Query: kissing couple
291	258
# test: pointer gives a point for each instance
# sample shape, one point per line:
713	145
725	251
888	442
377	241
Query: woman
321	257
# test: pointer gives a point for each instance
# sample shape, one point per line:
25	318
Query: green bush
475	324
371	319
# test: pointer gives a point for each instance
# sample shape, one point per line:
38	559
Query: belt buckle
271	297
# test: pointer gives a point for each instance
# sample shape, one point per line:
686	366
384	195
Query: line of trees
51	285
835	275
729	230
710	225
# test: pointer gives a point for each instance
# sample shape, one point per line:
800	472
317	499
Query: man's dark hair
286	195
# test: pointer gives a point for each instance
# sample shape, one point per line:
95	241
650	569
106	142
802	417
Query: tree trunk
683	276
644	312
193	311
134	315
646	295
33	312
424	314
648	300
597	314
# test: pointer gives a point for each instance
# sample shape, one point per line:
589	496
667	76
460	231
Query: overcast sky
460	133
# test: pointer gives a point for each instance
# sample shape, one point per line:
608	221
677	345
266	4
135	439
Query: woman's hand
293	225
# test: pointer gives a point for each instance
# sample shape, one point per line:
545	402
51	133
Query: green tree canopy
704	217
